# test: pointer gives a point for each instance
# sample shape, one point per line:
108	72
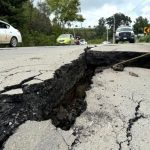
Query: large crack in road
20	85
62	98
131	123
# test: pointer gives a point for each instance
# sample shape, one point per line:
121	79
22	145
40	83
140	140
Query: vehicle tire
132	41
116	42
13	42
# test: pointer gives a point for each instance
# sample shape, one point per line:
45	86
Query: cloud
94	4
93	10
146	12
93	16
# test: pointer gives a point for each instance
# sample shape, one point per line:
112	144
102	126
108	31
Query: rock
118	67
133	74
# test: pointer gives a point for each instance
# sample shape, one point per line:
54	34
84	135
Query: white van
9	35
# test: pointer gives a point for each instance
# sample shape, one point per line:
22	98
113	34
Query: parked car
125	33
66	39
9	35
83	42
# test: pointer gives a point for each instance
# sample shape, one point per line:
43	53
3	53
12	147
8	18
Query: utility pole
107	33
74	32
114	30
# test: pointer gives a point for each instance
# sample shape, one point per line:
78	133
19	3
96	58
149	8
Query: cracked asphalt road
30	65
117	118
117	115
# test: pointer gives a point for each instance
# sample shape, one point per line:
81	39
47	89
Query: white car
9	35
83	42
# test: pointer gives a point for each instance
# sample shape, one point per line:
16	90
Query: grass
146	39
95	41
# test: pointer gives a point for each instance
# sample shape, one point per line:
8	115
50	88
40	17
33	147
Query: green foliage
101	28
37	29
65	10
38	39
120	19
139	25
146	39
86	33
95	41
41	23
37	20
44	8
11	11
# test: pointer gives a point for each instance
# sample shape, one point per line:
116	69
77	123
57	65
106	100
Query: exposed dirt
62	98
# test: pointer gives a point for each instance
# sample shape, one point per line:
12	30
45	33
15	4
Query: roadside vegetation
145	38
41	23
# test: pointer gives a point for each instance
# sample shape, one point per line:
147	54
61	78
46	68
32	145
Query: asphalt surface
117	115
138	47
18	64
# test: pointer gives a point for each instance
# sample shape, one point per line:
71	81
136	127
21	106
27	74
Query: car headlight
117	34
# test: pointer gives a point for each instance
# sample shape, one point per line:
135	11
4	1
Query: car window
7	26
64	36
124	29
3	25
82	40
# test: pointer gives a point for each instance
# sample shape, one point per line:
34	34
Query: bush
145	39
37	39
95	41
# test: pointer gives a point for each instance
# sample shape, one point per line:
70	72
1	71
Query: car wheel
116	42
13	42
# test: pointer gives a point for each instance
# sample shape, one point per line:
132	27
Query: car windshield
124	29
64	36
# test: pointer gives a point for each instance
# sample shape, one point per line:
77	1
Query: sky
93	10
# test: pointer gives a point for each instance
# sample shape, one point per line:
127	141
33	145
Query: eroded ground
47	85
117	118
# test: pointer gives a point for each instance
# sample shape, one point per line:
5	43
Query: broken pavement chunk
133	74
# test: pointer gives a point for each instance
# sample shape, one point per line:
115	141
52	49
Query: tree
11	11
65	10
101	28
139	24
120	19
44	8
37	19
